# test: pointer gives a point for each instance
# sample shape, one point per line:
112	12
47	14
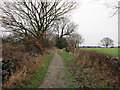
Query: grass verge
70	80
34	80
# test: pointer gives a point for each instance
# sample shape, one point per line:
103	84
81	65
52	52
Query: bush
15	39
61	43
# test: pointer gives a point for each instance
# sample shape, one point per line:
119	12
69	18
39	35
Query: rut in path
55	77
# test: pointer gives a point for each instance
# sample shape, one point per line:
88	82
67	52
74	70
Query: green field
112	51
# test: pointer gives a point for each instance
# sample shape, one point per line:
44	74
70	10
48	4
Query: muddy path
55	76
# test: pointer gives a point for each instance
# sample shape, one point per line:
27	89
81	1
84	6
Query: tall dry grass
25	64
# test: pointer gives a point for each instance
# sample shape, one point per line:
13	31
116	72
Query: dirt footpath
55	77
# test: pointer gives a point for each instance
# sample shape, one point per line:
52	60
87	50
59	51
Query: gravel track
55	76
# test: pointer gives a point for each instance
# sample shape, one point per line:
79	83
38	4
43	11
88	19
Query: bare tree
64	27
75	40
49	39
106	42
33	18
115	6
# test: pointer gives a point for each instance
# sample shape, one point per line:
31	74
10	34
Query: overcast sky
95	23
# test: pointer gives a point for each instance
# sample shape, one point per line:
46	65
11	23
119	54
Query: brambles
105	66
93	69
70	49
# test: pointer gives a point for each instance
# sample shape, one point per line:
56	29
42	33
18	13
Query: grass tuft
70	80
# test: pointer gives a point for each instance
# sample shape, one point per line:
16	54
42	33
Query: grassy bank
34	80
112	51
84	69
